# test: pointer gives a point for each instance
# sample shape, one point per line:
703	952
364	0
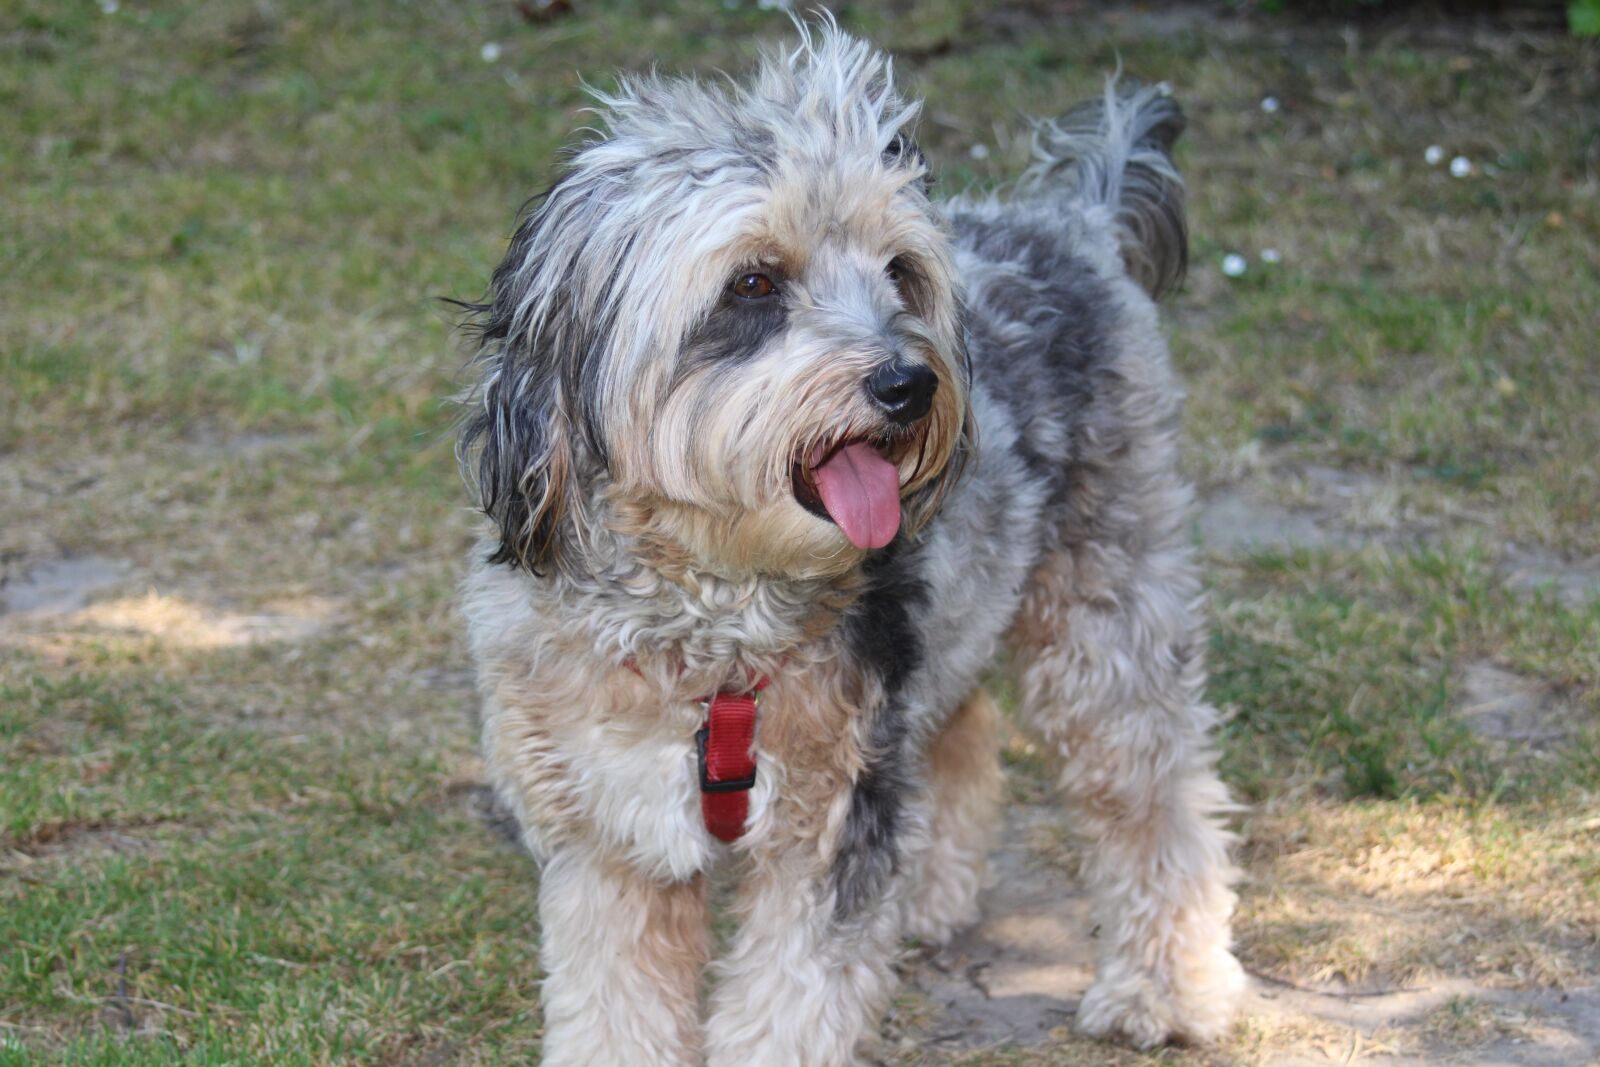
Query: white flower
490	52
1460	167
1433	155
1269	104
1271	255
1233	264
980	151
109	7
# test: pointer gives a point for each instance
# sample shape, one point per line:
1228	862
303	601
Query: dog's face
734	318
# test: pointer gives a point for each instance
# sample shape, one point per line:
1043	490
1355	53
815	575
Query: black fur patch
904	152
883	639
496	817
733	332
513	425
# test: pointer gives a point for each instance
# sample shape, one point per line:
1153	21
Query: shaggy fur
643	437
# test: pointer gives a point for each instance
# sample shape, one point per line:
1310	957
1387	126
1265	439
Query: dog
780	452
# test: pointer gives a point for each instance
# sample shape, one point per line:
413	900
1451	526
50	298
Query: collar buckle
729	785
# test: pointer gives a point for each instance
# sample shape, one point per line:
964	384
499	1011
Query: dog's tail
1115	154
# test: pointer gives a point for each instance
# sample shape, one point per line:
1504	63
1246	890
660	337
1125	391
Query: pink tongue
861	491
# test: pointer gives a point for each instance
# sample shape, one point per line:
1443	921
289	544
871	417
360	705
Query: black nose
903	390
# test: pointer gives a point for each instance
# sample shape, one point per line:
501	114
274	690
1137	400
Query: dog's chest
702	626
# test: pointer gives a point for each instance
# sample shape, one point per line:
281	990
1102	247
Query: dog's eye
753	286
898	274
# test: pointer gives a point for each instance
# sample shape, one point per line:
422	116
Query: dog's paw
943	901
938	913
1129	1010
1136	1009
1211	992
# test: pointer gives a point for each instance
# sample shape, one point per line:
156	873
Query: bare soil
1014	981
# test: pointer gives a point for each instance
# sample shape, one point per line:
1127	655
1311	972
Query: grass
237	818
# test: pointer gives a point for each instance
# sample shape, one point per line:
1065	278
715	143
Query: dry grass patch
1391	896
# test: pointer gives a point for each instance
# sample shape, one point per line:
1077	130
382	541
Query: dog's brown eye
753	286
897	274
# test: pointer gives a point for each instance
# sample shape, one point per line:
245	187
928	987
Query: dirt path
1019	974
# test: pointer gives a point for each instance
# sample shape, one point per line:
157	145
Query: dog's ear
517	439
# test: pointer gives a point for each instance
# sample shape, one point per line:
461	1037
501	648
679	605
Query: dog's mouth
854	483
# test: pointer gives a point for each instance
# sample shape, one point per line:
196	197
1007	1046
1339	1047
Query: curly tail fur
1115	153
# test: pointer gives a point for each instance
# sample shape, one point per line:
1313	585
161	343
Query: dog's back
1060	280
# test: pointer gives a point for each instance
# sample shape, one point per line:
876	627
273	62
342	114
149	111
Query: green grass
222	358
1340	668
324	935
286	897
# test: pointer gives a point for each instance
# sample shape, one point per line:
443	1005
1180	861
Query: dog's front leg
622	956
1109	648
800	986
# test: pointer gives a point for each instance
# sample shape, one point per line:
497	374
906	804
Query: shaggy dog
780	452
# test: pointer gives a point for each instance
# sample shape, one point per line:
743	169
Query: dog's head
733	317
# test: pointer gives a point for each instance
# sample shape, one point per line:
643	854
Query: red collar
726	745
726	751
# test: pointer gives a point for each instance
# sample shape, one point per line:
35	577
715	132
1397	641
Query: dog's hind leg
622	957
1109	646
964	785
